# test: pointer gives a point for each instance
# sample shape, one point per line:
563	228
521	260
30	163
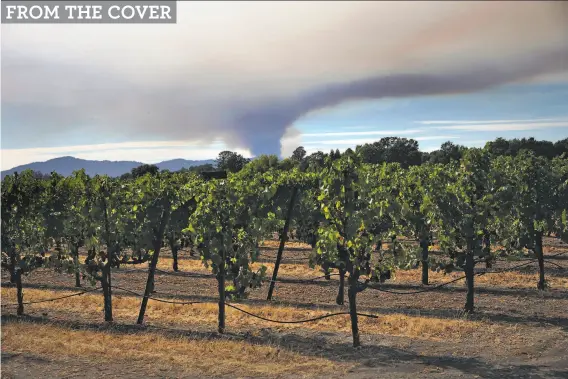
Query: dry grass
192	356
519	280
505	279
285	270
553	250
303	271
276	243
510	279
125	309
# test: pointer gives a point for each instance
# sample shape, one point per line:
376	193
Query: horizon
239	77
155	162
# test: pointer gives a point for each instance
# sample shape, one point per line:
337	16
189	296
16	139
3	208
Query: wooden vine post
154	262
283	238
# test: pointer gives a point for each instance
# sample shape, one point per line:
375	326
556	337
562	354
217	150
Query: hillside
66	166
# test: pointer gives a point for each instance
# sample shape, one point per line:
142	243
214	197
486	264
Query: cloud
291	139
244	73
488	121
505	127
113	146
361	141
365	133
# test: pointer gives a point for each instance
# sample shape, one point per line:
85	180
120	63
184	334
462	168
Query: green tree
513	147
56	209
464	214
307	216
199	168
77	222
158	198
263	163
230	161
448	152
350	203
289	187
561	147
287	164
23	196
316	161
391	150
299	153
559	166
144	169
110	209
226	229
528	199
417	210
182	208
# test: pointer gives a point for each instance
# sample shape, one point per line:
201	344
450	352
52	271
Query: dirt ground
516	332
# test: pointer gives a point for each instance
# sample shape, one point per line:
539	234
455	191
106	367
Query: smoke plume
243	73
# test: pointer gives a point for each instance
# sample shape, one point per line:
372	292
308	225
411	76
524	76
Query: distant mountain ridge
66	165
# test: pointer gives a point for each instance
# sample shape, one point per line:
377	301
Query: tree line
388	149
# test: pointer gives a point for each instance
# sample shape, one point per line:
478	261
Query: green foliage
227	227
545	149
22	237
447	153
391	150
263	163
307	217
230	161
351	199
316	161
346	205
198	168
299	153
559	166
527	195
144	169
462	206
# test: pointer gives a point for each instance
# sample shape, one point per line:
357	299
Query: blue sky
540	109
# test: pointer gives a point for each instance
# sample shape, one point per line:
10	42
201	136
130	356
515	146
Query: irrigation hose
300	280
53	299
161	300
298	321
458	279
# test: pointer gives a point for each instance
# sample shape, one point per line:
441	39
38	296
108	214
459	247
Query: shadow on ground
370	360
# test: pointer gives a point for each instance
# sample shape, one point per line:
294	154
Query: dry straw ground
517	331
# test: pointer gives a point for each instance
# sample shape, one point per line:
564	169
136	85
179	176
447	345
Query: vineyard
324	268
